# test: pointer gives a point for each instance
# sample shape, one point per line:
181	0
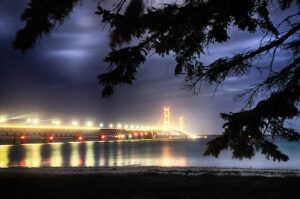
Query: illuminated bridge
49	133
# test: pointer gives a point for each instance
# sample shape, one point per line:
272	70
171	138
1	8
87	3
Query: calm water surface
135	153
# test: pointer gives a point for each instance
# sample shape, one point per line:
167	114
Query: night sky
57	79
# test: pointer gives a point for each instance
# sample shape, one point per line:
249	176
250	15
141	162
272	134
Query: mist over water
135	153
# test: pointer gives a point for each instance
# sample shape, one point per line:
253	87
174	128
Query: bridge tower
181	122
166	117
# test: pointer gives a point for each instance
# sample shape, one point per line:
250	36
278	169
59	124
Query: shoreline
149	183
188	171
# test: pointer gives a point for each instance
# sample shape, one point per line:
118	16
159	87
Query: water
135	153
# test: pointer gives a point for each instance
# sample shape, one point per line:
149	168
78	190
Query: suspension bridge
48	133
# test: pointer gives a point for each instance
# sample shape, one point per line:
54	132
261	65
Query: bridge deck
19	131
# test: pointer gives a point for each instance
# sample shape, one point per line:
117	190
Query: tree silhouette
187	29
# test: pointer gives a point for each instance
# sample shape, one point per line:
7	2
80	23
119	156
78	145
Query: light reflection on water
32	155
126	153
56	159
4	160
90	158
76	160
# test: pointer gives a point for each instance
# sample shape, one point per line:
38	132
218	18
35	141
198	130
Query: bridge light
56	122
119	126
75	123
142	127
111	126
35	121
51	137
101	125
102	136
80	138
130	136
28	120
132	126
2	119
22	137
137	127
89	123
126	126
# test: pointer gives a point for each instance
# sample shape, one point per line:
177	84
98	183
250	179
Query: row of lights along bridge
36	121
57	122
102	137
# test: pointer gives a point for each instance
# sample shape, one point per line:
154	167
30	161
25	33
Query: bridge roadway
49	133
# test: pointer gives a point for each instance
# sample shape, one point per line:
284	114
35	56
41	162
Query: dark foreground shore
148	183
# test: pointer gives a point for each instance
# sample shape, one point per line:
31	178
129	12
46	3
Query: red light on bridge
135	134
141	134
80	138
22	137
153	137
146	134
51	138
101	137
